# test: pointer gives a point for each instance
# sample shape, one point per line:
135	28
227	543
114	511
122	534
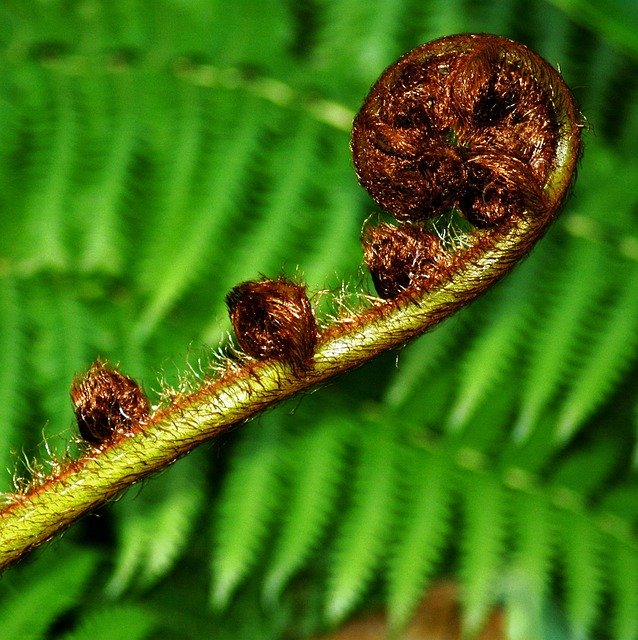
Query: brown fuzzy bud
403	257
106	402
274	319
476	123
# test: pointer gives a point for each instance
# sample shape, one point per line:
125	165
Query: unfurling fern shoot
274	319
106	403
477	125
471	142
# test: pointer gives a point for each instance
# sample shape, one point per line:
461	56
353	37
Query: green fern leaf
61	335
421	526
364	528
610	21
43	592
580	547
530	568
491	352
12	353
52	125
355	39
214	215
246	506
417	363
610	353
111	142
601	461
115	622
379	45
333	245
623	576
577	292
438	18
276	225
317	462
177	108
621	502
153	528
481	546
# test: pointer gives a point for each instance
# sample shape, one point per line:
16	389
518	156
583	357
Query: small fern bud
473	123
107	402
274	319
404	257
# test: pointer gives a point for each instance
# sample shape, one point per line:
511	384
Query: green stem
82	485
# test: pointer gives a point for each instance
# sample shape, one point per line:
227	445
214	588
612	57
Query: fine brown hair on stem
106	402
402	257
274	319
474	123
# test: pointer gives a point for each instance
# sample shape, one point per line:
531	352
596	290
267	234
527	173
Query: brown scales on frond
274	319
403	257
468	122
107	402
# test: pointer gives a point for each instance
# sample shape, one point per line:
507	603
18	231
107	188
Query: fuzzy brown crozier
274	319
106	402
466	122
402	257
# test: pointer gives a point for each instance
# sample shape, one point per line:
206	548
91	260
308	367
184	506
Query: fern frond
438	18
43	592
481	547
59	352
333	248
418	361
622	560
528	573
348	41
619	27
111	142
12	373
485	362
580	547
178	108
421	527
574	297
272	229
51	123
547	30
610	352
380	42
213	213
621	503
249	497
364	528
154	527
601	461
317	466
115	622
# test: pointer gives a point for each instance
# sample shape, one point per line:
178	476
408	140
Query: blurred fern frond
154	154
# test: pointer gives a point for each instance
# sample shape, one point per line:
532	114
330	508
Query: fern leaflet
481	546
115	622
249	497
12	352
611	352
577	293
46	590
317	466
422	524
364	527
154	528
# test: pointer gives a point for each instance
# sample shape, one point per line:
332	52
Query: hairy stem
510	196
83	485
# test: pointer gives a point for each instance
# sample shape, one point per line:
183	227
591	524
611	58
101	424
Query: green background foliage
154	154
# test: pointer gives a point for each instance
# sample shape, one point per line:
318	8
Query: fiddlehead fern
507	191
